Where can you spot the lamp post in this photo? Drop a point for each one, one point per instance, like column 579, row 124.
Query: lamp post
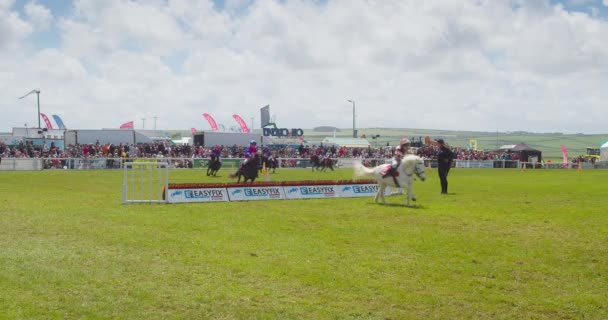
column 143, row 123
column 354, row 130
column 375, row 138
column 37, row 92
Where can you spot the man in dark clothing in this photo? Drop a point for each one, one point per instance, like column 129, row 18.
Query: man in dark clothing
column 444, row 163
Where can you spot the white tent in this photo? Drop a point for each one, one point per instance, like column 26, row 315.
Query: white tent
column 604, row 152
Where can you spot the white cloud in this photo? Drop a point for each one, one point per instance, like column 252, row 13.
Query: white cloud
column 40, row 16
column 605, row 2
column 12, row 28
column 452, row 64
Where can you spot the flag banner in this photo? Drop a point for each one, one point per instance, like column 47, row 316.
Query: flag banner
column 211, row 121
column 127, row 125
column 565, row 155
column 58, row 121
column 264, row 116
column 241, row 123
column 193, row 130
column 48, row 123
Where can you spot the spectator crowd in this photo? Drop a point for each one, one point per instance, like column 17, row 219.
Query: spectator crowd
column 165, row 149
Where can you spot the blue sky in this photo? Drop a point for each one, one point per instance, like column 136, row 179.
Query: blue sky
column 482, row 65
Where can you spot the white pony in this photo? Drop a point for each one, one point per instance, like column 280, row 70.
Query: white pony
column 410, row 165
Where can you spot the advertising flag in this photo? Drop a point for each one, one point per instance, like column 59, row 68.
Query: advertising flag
column 46, row 121
column 211, row 121
column 565, row 155
column 58, row 121
column 127, row 125
column 241, row 123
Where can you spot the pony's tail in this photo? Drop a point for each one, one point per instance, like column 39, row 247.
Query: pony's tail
column 361, row 170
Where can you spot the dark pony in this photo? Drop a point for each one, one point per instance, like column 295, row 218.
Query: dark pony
column 214, row 165
column 249, row 170
column 269, row 163
column 321, row 163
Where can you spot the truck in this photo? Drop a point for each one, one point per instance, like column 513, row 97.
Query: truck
column 593, row 154
column 212, row 138
column 115, row 136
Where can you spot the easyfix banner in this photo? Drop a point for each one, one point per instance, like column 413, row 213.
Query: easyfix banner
column 197, row 195
column 359, row 190
column 256, row 193
column 252, row 193
column 308, row 192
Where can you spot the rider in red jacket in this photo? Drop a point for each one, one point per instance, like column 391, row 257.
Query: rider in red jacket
column 251, row 150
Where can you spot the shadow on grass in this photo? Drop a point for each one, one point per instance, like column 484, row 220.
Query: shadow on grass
column 414, row 206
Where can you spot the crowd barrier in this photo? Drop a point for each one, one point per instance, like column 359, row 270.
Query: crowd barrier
column 12, row 164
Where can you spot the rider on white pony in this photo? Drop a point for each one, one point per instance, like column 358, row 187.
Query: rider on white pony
column 411, row 167
column 390, row 171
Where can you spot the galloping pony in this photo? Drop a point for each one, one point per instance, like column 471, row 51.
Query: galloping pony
column 214, row 165
column 410, row 167
column 269, row 162
column 323, row 163
column 248, row 170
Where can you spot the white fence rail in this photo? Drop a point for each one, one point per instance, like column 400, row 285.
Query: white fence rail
column 12, row 164
column 145, row 182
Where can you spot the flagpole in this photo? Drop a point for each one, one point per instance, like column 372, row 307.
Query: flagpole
column 38, row 99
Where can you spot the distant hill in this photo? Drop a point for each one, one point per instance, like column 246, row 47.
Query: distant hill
column 548, row 143
column 326, row 129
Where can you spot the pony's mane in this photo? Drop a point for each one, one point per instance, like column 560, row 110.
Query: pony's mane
column 410, row 161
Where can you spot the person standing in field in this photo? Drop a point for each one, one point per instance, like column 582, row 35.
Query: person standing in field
column 444, row 163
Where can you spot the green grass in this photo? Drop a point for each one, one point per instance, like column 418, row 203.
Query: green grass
column 505, row 244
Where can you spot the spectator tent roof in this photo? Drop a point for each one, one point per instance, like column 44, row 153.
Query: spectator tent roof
column 348, row 142
column 604, row 152
column 525, row 151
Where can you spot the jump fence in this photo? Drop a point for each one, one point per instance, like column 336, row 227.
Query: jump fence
column 145, row 182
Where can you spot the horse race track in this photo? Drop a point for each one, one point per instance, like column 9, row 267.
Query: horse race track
column 505, row 244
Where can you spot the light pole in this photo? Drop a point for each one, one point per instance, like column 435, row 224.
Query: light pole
column 143, row 123
column 354, row 130
column 375, row 138
column 37, row 92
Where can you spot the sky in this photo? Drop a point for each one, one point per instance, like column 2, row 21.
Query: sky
column 475, row 65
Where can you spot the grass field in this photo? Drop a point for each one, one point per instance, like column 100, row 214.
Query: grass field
column 505, row 244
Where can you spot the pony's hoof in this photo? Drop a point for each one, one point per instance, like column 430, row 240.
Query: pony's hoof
column 413, row 199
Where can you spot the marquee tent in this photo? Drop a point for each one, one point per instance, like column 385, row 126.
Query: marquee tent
column 347, row 142
column 604, row 152
column 525, row 152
